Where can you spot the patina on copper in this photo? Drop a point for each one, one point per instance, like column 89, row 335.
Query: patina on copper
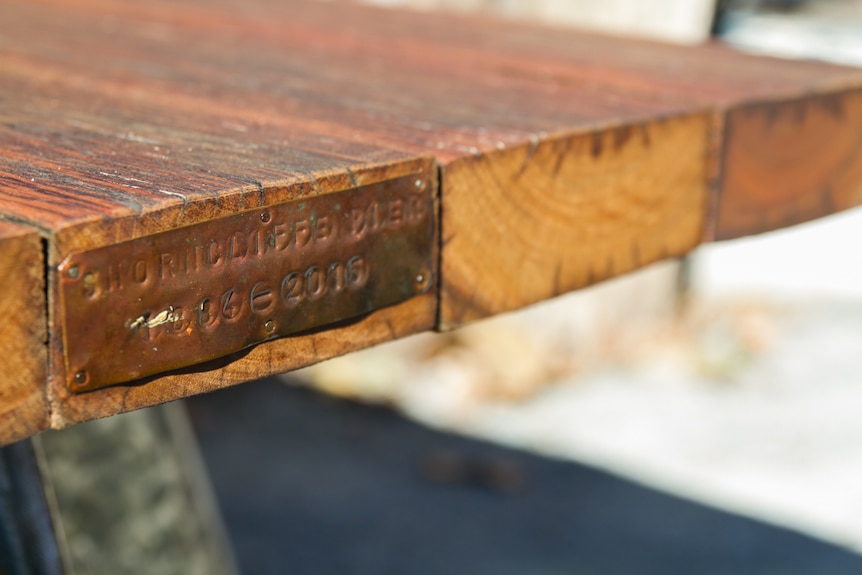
column 190, row 295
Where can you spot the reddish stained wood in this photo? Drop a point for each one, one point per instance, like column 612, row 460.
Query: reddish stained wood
column 124, row 119
column 98, row 149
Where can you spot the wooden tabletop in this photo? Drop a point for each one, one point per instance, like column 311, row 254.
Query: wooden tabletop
column 487, row 165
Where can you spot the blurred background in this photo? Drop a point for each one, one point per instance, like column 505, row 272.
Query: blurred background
column 702, row 415
column 732, row 378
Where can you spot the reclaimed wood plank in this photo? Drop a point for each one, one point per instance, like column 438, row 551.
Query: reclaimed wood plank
column 564, row 158
column 569, row 212
column 103, row 148
column 23, row 357
column 519, row 89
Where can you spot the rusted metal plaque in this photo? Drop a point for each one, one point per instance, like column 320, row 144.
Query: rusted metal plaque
column 186, row 296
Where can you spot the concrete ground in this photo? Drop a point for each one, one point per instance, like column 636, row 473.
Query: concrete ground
column 312, row 484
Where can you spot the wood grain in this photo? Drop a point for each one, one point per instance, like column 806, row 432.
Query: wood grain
column 790, row 162
column 525, row 225
column 100, row 149
column 23, row 352
column 565, row 158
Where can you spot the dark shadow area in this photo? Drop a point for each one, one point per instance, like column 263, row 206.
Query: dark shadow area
column 310, row 484
column 27, row 542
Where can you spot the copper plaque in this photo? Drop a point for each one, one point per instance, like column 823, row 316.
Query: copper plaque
column 190, row 295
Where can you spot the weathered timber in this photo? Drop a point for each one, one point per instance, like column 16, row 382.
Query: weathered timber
column 23, row 357
column 94, row 156
column 790, row 161
column 563, row 158
column 568, row 212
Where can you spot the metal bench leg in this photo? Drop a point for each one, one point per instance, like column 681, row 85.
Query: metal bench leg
column 131, row 496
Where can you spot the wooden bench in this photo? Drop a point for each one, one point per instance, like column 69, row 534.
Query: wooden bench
column 197, row 194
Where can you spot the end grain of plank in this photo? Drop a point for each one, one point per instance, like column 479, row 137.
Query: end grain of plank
column 789, row 162
column 530, row 223
column 23, row 352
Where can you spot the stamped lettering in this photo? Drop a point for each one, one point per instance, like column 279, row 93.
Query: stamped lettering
column 190, row 295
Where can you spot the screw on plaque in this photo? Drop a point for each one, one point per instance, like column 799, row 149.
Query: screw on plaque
column 422, row 281
column 80, row 378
